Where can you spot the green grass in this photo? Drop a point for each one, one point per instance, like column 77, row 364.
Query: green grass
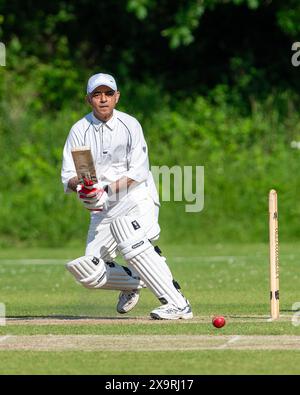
column 231, row 280
column 131, row 363
column 178, row 328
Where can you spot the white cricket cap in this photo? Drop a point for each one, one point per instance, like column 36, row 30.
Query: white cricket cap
column 101, row 79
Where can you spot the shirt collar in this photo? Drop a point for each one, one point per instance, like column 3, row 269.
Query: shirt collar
column 110, row 123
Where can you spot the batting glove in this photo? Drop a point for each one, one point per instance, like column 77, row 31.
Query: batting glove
column 92, row 196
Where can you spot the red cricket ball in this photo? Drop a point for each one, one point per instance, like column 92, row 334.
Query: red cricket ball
column 218, row 321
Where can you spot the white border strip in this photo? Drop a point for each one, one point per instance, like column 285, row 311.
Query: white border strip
column 206, row 258
column 231, row 341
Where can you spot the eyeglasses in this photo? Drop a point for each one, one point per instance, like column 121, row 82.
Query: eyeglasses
column 107, row 93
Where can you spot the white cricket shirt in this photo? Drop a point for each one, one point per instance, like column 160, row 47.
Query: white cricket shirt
column 119, row 149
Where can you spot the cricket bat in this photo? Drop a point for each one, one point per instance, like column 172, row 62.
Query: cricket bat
column 84, row 165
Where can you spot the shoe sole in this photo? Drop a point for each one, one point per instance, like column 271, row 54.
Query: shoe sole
column 187, row 316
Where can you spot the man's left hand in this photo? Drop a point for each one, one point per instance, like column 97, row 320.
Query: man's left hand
column 93, row 197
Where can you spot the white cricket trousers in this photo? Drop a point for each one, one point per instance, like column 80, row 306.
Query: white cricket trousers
column 100, row 241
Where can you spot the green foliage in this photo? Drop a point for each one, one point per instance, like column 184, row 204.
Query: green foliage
column 140, row 7
column 245, row 153
column 288, row 17
column 201, row 39
column 204, row 79
column 186, row 21
column 186, row 17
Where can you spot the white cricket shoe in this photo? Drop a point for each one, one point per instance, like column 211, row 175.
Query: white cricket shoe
column 171, row 312
column 127, row 300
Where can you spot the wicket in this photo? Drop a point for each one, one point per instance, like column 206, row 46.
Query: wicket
column 274, row 254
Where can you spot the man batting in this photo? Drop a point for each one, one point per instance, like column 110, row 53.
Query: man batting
column 123, row 206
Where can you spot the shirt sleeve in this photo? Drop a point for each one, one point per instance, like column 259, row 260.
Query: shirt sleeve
column 138, row 161
column 68, row 170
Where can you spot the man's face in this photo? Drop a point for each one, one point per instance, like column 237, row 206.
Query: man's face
column 103, row 100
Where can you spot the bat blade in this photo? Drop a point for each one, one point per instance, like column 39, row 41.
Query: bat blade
column 84, row 164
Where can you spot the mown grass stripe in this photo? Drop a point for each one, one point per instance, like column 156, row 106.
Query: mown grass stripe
column 148, row 342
